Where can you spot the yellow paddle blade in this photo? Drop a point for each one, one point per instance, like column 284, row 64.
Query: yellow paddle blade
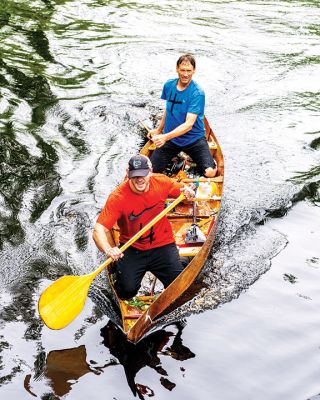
column 63, row 300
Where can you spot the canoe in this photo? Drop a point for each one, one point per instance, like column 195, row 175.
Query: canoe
column 194, row 225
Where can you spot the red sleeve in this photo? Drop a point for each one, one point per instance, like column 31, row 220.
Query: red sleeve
column 110, row 212
column 175, row 189
column 172, row 186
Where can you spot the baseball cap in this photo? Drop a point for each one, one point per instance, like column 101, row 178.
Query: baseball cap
column 139, row 166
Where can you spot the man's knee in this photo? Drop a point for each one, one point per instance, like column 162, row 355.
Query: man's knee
column 125, row 291
column 172, row 273
column 161, row 157
column 210, row 172
column 126, row 286
column 157, row 165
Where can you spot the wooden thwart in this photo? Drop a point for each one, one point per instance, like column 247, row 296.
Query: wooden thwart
column 189, row 251
column 213, row 197
column 132, row 316
column 203, row 179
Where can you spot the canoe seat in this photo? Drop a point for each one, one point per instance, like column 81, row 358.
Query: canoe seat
column 189, row 251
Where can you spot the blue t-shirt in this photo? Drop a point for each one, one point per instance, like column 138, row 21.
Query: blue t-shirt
column 178, row 104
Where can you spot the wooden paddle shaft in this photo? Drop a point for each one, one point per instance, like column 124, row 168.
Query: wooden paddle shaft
column 146, row 128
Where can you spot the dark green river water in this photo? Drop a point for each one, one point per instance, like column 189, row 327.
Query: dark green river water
column 75, row 80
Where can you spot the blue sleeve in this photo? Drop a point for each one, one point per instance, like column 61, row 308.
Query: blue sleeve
column 167, row 87
column 197, row 103
column 163, row 94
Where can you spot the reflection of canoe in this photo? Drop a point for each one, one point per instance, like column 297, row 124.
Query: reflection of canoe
column 141, row 314
column 136, row 356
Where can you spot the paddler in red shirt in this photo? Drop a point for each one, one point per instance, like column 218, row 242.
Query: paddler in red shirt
column 134, row 203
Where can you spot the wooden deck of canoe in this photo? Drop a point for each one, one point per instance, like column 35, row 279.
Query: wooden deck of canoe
column 140, row 314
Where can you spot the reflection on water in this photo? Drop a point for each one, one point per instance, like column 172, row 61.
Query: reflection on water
column 134, row 357
column 63, row 368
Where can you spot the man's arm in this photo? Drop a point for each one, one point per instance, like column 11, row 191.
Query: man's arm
column 160, row 140
column 100, row 236
column 159, row 130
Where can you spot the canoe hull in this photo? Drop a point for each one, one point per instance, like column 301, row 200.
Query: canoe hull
column 136, row 321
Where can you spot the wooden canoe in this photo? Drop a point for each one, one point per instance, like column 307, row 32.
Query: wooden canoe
column 140, row 314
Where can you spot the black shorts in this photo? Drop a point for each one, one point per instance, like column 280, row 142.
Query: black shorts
column 163, row 262
column 199, row 152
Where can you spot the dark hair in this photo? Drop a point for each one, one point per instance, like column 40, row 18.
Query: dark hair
column 187, row 57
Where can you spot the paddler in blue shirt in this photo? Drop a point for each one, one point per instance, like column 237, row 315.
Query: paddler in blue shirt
column 181, row 127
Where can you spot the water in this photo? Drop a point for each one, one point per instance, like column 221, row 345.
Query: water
column 76, row 78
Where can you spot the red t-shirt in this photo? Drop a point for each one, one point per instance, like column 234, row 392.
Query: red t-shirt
column 132, row 211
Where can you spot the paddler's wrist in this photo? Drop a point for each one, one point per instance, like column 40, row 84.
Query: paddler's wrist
column 107, row 251
column 157, row 131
